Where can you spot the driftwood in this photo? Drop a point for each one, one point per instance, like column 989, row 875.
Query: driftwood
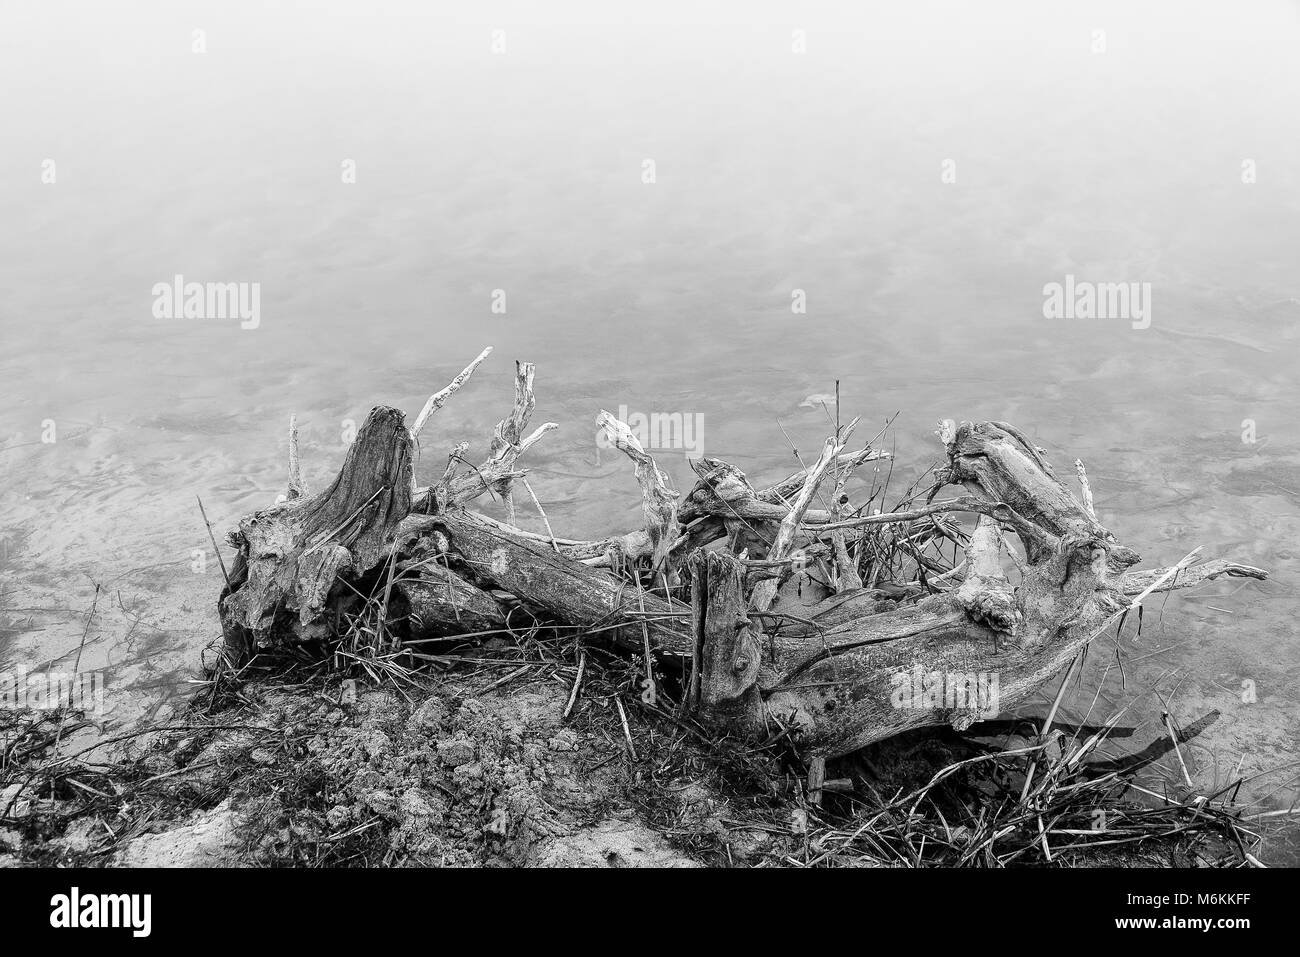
column 291, row 555
column 903, row 637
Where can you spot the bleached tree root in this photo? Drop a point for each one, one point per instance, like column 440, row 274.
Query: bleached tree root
column 960, row 657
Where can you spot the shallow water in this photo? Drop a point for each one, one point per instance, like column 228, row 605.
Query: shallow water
column 774, row 172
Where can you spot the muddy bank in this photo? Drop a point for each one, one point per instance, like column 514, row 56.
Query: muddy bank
column 443, row 772
column 478, row 766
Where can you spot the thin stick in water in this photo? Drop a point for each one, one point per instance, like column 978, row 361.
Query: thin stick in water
column 215, row 548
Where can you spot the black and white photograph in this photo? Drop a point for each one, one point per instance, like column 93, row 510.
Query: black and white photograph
column 512, row 437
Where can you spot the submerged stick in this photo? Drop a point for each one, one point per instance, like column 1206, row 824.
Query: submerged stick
column 221, row 561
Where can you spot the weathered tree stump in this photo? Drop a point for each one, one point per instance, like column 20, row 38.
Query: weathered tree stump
column 951, row 643
column 291, row 556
